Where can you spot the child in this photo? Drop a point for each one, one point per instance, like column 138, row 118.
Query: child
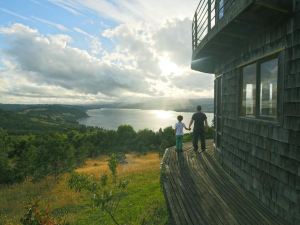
column 179, row 133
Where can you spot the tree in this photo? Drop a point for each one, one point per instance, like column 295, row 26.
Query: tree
column 54, row 155
column 5, row 168
column 146, row 140
column 126, row 136
column 167, row 138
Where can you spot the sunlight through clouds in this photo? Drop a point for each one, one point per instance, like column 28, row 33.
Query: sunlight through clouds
column 168, row 67
column 143, row 50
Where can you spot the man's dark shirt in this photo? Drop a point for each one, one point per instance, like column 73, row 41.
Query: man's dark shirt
column 199, row 118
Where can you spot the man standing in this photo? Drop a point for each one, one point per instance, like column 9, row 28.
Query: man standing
column 199, row 118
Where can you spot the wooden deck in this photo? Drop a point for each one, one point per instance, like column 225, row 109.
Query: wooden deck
column 198, row 191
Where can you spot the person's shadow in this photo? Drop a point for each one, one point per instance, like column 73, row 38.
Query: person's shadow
column 186, row 171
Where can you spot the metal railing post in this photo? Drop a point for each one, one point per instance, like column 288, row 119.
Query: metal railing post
column 208, row 15
column 193, row 35
column 196, row 29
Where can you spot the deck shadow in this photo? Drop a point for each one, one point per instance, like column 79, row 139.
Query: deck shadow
column 198, row 191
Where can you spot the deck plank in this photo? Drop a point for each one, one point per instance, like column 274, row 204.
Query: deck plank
column 198, row 191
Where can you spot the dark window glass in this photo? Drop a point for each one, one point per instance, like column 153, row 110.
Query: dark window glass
column 249, row 90
column 268, row 88
column 221, row 9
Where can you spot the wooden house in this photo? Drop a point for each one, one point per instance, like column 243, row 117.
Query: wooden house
column 253, row 48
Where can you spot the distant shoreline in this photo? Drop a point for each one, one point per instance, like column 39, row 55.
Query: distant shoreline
column 175, row 110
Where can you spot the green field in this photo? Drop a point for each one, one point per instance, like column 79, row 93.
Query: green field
column 143, row 202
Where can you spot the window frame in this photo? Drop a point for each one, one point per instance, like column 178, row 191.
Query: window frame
column 280, row 70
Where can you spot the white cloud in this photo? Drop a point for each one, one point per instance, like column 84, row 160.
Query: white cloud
column 147, row 60
column 174, row 39
column 49, row 60
column 35, row 2
column 129, row 11
column 50, row 23
column 95, row 44
column 78, row 30
column 65, row 5
column 14, row 14
column 164, row 52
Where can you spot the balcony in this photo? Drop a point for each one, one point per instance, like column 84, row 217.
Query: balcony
column 222, row 28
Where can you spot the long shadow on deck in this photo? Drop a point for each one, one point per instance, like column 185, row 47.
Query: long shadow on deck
column 198, row 191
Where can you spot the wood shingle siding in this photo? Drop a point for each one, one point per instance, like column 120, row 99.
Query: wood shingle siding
column 263, row 156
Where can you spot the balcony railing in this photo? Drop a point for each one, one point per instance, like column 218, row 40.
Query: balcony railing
column 207, row 15
column 224, row 28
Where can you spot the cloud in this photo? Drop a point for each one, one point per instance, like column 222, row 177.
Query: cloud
column 83, row 32
column 95, row 44
column 165, row 53
column 14, row 14
column 146, row 61
column 50, row 23
column 50, row 60
column 174, row 39
column 67, row 5
column 35, row 2
column 130, row 11
column 134, row 48
column 16, row 87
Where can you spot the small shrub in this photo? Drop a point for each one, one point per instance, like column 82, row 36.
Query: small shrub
column 113, row 164
column 104, row 196
column 37, row 216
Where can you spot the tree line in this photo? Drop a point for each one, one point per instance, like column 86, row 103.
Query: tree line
column 39, row 155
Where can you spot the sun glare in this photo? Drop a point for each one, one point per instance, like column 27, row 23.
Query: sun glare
column 161, row 114
column 168, row 67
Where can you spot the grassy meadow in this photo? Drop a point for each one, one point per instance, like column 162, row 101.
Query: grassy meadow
column 143, row 203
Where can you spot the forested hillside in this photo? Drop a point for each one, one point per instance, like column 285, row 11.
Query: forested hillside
column 39, row 118
column 46, row 140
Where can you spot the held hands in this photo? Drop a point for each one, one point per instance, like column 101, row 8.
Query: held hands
column 187, row 128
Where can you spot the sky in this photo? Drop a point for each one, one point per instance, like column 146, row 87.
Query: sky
column 97, row 51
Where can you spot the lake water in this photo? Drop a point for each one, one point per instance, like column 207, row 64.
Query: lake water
column 138, row 118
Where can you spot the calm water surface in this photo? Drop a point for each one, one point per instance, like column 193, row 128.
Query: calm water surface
column 138, row 118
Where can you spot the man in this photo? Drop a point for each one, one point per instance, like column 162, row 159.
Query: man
column 199, row 118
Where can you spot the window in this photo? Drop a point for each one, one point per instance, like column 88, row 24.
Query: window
column 249, row 90
column 221, row 9
column 268, row 88
column 261, row 101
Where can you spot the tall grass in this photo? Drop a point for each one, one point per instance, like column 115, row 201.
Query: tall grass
column 144, row 202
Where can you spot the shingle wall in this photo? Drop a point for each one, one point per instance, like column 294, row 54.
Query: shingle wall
column 264, row 156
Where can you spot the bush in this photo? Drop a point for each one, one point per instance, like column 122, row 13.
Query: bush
column 37, row 216
column 104, row 196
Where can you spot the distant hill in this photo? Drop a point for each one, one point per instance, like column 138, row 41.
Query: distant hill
column 39, row 118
